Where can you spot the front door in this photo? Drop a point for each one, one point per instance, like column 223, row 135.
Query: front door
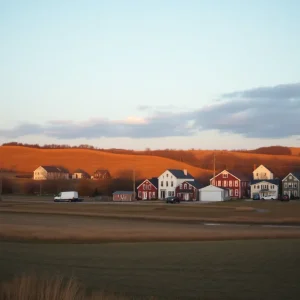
column 162, row 194
column 186, row 197
column 144, row 195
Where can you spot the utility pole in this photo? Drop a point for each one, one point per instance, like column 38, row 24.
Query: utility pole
column 214, row 168
column 133, row 179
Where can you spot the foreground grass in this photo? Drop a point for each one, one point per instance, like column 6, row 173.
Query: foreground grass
column 232, row 270
column 34, row 287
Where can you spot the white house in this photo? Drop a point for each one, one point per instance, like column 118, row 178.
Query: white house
column 213, row 193
column 80, row 174
column 169, row 180
column 266, row 189
column 262, row 173
column 50, row 172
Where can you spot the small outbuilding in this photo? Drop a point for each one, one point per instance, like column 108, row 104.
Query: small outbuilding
column 213, row 193
column 123, row 196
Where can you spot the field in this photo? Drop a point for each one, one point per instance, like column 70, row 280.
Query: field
column 197, row 270
column 25, row 159
column 154, row 249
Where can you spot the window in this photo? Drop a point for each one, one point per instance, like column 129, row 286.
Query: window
column 225, row 183
column 225, row 175
column 172, row 183
column 140, row 194
column 230, row 182
column 290, row 185
column 257, row 186
column 153, row 194
column 185, row 186
column 172, row 193
column 236, row 192
column 295, row 185
column 149, row 186
column 285, row 185
column 169, row 193
column 230, row 192
column 219, row 183
column 161, row 183
column 144, row 186
column 236, row 183
column 167, row 175
column 167, row 183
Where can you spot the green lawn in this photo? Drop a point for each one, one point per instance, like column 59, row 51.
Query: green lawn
column 239, row 270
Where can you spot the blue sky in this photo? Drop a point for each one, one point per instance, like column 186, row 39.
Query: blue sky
column 157, row 74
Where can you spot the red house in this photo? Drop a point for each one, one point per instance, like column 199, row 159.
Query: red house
column 148, row 189
column 188, row 190
column 237, row 184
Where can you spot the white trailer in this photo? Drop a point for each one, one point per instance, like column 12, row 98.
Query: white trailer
column 68, row 196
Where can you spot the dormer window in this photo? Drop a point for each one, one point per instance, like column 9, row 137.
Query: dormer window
column 225, row 175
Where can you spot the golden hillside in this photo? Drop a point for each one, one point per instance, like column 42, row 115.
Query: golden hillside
column 23, row 159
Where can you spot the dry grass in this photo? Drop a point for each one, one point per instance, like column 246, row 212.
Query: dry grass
column 78, row 229
column 33, row 287
column 28, row 159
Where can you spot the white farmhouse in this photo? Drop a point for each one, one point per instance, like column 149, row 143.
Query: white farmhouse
column 266, row 189
column 169, row 180
column 50, row 172
column 262, row 173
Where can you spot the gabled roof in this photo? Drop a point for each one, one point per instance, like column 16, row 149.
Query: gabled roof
column 265, row 167
column 101, row 171
column 82, row 171
column 209, row 187
column 194, row 183
column 55, row 169
column 153, row 181
column 238, row 175
column 273, row 181
column 295, row 174
column 180, row 174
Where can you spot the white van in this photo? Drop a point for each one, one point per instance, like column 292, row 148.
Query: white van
column 69, row 196
column 268, row 197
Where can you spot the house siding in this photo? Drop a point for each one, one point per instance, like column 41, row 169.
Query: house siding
column 237, row 188
column 291, row 186
column 147, row 191
column 187, row 192
column 262, row 172
column 167, row 184
column 264, row 189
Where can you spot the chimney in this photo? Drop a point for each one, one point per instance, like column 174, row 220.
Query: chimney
column 254, row 167
column 185, row 172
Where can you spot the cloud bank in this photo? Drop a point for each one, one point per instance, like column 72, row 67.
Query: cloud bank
column 263, row 112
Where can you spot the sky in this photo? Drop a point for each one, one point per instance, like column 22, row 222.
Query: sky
column 150, row 74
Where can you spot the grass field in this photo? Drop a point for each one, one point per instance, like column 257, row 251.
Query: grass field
column 28, row 159
column 196, row 270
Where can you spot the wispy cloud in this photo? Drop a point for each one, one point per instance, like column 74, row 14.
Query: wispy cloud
column 265, row 112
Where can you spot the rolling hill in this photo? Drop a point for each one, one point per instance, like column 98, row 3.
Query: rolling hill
column 24, row 159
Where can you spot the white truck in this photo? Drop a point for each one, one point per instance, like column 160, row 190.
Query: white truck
column 68, row 196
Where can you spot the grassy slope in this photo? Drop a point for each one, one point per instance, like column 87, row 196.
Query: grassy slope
column 27, row 159
column 204, row 270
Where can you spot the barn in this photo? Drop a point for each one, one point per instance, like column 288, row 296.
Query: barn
column 123, row 196
column 213, row 193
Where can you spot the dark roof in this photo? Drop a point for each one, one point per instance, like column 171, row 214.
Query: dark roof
column 273, row 181
column 180, row 174
column 54, row 169
column 195, row 184
column 154, row 181
column 296, row 174
column 240, row 175
column 102, row 170
column 123, row 192
column 81, row 171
